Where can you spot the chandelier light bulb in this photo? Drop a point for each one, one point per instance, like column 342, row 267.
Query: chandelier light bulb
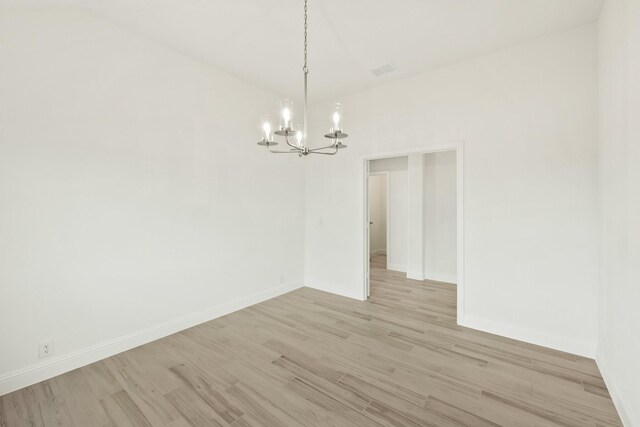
column 286, row 116
column 299, row 138
column 267, row 130
column 336, row 119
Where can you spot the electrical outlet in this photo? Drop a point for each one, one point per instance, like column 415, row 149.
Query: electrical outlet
column 282, row 278
column 46, row 349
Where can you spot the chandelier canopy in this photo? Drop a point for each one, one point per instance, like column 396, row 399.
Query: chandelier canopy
column 298, row 132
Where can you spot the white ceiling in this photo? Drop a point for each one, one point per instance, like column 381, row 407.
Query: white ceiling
column 261, row 40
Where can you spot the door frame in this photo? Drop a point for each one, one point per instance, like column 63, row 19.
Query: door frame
column 386, row 249
column 458, row 147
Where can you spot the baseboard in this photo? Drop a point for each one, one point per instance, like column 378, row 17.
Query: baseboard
column 445, row 278
column 556, row 343
column 65, row 363
column 397, row 267
column 415, row 275
column 625, row 410
column 335, row 289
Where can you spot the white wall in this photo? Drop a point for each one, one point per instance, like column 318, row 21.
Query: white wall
column 378, row 214
column 527, row 116
column 440, row 218
column 619, row 71
column 133, row 197
column 398, row 213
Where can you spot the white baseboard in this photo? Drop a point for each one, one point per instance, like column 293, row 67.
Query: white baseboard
column 437, row 277
column 44, row 370
column 415, row 275
column 355, row 293
column 625, row 410
column 397, row 267
column 508, row 331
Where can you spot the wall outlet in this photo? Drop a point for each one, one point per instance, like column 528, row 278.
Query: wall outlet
column 46, row 349
column 282, row 278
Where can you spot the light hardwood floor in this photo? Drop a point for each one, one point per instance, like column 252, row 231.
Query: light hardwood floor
column 312, row 358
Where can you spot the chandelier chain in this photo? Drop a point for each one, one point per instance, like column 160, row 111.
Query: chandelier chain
column 305, row 68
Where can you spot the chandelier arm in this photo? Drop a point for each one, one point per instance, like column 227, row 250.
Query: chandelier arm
column 323, row 153
column 294, row 150
column 295, row 147
column 285, row 152
column 326, row 147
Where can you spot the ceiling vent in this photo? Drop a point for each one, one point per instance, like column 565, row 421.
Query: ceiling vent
column 385, row 69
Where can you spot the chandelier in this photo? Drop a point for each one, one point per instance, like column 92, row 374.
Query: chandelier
column 298, row 132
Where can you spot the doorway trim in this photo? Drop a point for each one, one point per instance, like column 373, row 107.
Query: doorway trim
column 458, row 147
column 387, row 175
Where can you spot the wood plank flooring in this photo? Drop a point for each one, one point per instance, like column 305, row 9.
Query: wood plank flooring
column 310, row 358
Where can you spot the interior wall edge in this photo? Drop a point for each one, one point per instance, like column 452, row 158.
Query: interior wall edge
column 38, row 372
column 397, row 267
column 528, row 336
column 334, row 288
column 624, row 408
column 444, row 278
column 415, row 275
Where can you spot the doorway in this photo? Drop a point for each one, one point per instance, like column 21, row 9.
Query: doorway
column 416, row 200
column 378, row 216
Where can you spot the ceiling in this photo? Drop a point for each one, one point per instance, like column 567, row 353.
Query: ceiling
column 260, row 41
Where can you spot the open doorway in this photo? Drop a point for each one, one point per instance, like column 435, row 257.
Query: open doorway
column 413, row 221
column 378, row 217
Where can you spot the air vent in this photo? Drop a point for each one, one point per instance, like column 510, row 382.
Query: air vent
column 385, row 69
